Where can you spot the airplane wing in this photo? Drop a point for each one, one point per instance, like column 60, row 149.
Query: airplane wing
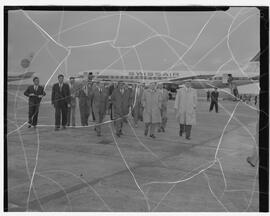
column 182, row 79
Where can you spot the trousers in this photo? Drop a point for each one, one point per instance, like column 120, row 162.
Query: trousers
column 33, row 114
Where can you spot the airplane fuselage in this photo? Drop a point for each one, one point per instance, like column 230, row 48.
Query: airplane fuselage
column 205, row 84
column 200, row 80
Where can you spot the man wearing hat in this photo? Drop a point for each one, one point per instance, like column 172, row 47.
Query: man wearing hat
column 185, row 106
column 34, row 93
column 121, row 103
column 85, row 95
column 100, row 105
column 151, row 102
column 137, row 109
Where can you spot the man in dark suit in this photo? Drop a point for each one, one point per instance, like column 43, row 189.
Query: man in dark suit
column 85, row 95
column 61, row 101
column 34, row 93
column 90, row 82
column 121, row 101
column 214, row 100
column 100, row 105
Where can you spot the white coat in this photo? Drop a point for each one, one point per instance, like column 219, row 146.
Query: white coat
column 185, row 105
column 151, row 101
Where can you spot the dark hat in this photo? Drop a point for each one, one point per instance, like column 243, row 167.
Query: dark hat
column 60, row 75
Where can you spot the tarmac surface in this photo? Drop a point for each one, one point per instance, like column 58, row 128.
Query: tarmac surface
column 74, row 170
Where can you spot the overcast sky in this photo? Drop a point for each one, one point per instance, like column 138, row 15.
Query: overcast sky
column 148, row 40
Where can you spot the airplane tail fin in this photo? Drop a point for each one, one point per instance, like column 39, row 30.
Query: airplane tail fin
column 26, row 75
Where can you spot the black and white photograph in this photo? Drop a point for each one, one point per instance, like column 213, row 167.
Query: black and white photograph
column 136, row 108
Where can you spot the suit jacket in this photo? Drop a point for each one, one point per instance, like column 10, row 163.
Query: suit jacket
column 121, row 102
column 34, row 99
column 164, row 97
column 100, row 100
column 214, row 96
column 151, row 101
column 137, row 96
column 83, row 97
column 60, row 96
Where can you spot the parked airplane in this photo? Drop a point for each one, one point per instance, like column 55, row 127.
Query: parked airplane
column 199, row 80
column 16, row 76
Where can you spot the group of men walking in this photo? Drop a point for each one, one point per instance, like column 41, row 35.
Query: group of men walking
column 144, row 103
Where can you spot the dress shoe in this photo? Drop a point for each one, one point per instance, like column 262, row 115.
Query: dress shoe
column 56, row 129
column 63, row 127
column 153, row 136
column 118, row 134
column 159, row 130
column 29, row 126
column 145, row 132
column 188, row 138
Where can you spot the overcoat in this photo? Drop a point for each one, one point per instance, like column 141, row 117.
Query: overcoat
column 185, row 105
column 151, row 101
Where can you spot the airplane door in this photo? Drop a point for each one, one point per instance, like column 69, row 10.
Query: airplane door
column 225, row 78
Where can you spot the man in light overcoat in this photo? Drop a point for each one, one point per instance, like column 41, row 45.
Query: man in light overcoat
column 185, row 107
column 151, row 101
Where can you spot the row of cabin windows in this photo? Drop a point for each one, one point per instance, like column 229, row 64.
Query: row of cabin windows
column 131, row 77
column 156, row 78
